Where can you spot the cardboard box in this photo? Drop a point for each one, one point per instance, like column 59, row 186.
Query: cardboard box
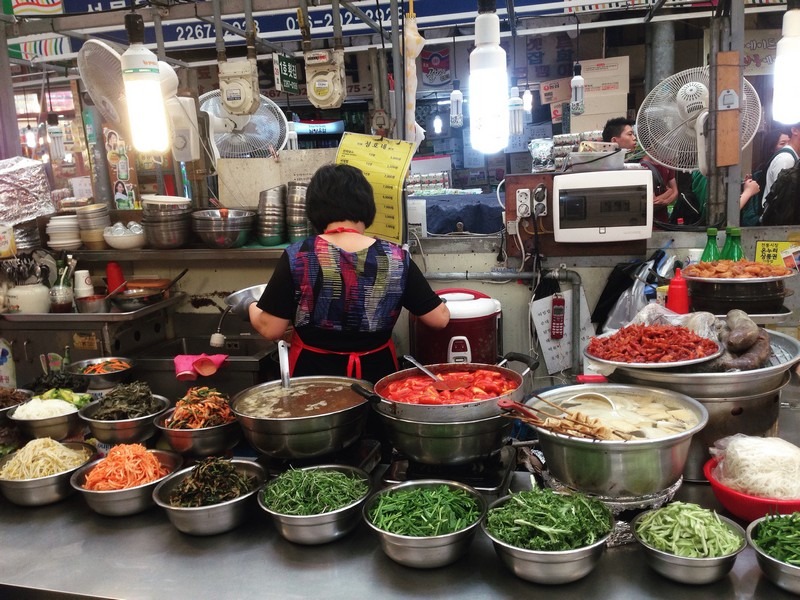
column 606, row 76
column 602, row 104
column 590, row 122
column 555, row 90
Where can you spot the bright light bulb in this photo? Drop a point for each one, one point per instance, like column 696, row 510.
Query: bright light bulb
column 515, row 112
column 576, row 106
column 437, row 124
column 30, row 138
column 785, row 107
column 527, row 101
column 456, row 105
column 488, row 82
column 291, row 136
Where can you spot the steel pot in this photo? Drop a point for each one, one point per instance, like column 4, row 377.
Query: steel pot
column 450, row 413
column 624, row 469
column 447, row 443
column 303, row 437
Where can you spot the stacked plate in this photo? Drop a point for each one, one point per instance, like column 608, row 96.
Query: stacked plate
column 166, row 220
column 92, row 220
column 296, row 220
column 63, row 233
column 272, row 216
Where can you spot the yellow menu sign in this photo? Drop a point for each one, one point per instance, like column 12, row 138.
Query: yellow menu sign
column 770, row 252
column 384, row 163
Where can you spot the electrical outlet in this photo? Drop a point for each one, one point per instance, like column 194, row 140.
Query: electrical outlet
column 540, row 201
column 523, row 203
column 511, row 227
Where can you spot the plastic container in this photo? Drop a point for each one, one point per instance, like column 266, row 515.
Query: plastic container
column 582, row 162
column 711, row 251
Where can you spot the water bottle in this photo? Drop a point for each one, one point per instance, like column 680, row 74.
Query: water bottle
column 711, row 251
column 733, row 250
column 727, row 245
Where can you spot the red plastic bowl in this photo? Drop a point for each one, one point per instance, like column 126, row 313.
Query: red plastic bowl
column 745, row 506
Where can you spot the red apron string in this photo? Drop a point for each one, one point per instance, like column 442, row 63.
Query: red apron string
column 353, row 360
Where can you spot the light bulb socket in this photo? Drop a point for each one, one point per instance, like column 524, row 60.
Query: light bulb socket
column 487, row 6
column 134, row 26
column 52, row 118
column 576, row 68
column 456, row 84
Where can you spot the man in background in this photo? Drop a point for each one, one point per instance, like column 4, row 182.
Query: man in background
column 783, row 159
column 665, row 188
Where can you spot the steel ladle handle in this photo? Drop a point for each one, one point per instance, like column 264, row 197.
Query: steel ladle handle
column 283, row 362
column 421, row 367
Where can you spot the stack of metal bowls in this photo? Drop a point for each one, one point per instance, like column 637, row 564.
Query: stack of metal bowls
column 166, row 221
column 272, row 216
column 296, row 219
column 223, row 228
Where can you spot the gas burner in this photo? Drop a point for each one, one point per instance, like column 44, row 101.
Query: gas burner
column 490, row 476
column 364, row 454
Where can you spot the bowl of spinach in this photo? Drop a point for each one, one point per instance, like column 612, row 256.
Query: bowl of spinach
column 547, row 537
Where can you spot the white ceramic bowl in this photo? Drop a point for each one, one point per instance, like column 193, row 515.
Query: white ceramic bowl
column 129, row 241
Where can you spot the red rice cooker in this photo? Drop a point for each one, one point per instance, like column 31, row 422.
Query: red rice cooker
column 472, row 336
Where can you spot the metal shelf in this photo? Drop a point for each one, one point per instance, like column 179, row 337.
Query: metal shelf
column 54, row 318
column 181, row 254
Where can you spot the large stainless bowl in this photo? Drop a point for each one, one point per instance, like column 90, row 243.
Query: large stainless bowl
column 624, row 469
column 782, row 574
column 122, row 431
column 446, row 443
column 214, row 518
column 19, row 393
column 427, row 552
column 697, row 571
column 253, row 292
column 57, row 428
column 128, row 501
column 42, row 490
column 542, row 566
column 303, row 437
column 205, row 441
column 325, row 527
column 104, row 380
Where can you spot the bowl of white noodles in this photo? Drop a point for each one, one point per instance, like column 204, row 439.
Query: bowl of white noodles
column 39, row 472
column 52, row 418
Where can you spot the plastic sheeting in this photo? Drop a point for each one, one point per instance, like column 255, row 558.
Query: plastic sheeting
column 24, row 196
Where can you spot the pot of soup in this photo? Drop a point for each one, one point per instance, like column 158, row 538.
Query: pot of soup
column 466, row 392
column 310, row 417
column 647, row 448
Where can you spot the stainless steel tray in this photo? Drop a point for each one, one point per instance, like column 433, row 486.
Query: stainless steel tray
column 661, row 365
column 173, row 300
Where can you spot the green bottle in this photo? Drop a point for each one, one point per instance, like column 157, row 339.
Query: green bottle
column 733, row 250
column 727, row 245
column 711, row 251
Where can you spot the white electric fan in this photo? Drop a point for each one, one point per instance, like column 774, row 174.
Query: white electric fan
column 670, row 123
column 100, row 70
column 257, row 135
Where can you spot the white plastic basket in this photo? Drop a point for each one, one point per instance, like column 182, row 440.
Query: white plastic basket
column 581, row 162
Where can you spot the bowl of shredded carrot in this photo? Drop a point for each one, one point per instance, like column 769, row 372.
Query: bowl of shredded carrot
column 104, row 372
column 201, row 424
column 122, row 482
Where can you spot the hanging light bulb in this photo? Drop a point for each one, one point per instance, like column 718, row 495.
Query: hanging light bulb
column 291, row 136
column 148, row 117
column 515, row 112
column 437, row 124
column 56, row 137
column 527, row 101
column 30, row 138
column 456, row 105
column 577, row 84
column 488, row 82
column 785, row 107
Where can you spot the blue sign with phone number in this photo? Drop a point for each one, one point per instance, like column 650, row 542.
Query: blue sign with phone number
column 282, row 25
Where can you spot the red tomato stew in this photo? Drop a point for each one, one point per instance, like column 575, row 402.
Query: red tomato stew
column 481, row 385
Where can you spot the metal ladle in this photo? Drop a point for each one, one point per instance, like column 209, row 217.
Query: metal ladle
column 283, row 363
column 438, row 383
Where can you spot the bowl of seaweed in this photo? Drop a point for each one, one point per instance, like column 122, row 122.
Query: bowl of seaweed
column 59, row 380
column 125, row 415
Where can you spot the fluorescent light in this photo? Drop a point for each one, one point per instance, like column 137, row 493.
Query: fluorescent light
column 527, row 101
column 577, row 84
column 515, row 112
column 488, row 84
column 146, row 112
column 456, row 105
column 437, row 124
column 785, row 105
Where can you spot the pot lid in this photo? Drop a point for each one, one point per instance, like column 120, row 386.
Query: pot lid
column 466, row 306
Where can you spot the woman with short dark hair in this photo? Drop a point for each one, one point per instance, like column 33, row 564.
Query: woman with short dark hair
column 342, row 290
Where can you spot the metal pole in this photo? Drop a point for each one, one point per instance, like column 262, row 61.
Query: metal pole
column 715, row 206
column 736, row 43
column 9, row 135
column 398, row 74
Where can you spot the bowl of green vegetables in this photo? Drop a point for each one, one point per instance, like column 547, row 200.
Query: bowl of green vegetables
column 547, row 537
column 775, row 541
column 125, row 414
column 316, row 505
column 688, row 543
column 211, row 497
column 427, row 523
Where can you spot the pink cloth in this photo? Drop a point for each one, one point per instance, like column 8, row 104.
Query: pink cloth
column 189, row 366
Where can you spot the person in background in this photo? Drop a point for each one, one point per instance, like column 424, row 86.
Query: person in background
column 785, row 158
column 665, row 188
column 342, row 290
column 773, row 141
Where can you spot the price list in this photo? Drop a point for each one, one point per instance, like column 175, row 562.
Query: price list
column 384, row 163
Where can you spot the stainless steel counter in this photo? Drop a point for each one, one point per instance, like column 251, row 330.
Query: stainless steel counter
column 67, row 548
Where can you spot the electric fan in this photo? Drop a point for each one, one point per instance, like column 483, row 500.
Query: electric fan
column 258, row 135
column 670, row 123
column 100, row 70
